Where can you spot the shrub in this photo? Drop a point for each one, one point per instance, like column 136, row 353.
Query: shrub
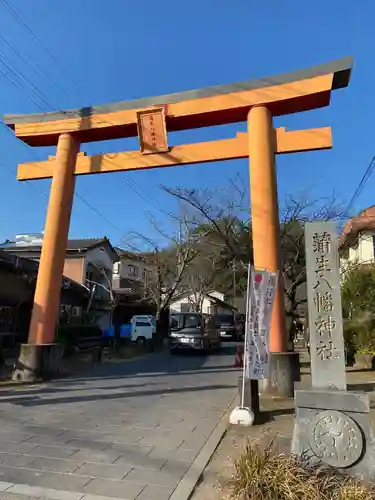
column 358, row 305
column 269, row 475
column 69, row 334
column 359, row 333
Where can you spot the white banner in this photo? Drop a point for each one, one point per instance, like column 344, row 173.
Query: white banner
column 261, row 293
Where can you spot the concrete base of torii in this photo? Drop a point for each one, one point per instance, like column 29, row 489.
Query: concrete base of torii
column 284, row 372
column 38, row 362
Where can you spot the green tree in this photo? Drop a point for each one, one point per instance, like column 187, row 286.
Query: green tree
column 358, row 307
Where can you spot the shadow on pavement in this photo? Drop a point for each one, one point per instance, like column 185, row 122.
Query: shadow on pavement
column 36, row 401
column 161, row 364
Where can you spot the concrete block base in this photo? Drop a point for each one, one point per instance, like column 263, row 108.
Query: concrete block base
column 38, row 362
column 284, row 371
column 333, row 428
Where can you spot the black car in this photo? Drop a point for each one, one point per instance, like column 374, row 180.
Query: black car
column 227, row 326
column 193, row 331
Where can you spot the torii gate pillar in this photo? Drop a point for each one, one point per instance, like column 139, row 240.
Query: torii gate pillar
column 265, row 212
column 265, row 240
column 39, row 358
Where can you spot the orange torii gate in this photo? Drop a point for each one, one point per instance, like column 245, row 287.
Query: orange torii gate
column 254, row 101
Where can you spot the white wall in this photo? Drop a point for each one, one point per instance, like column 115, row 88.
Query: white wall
column 133, row 269
column 176, row 305
column 100, row 257
column 217, row 295
column 207, row 305
column 362, row 250
column 366, row 247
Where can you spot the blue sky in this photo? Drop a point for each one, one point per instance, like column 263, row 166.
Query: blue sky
column 122, row 49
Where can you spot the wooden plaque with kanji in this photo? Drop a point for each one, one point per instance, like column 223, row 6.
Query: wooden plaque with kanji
column 152, row 131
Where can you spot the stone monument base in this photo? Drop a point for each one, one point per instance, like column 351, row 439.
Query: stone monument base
column 333, row 428
column 38, row 362
column 284, row 371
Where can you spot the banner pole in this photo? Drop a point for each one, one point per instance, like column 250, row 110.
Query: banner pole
column 244, row 368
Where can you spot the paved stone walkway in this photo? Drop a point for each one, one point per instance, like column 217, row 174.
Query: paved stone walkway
column 127, row 431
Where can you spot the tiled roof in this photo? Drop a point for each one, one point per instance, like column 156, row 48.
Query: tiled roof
column 30, row 268
column 80, row 244
column 129, row 255
column 364, row 221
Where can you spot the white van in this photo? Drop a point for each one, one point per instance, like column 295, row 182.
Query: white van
column 142, row 328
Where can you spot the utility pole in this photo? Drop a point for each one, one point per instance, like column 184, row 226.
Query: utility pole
column 234, row 281
column 179, row 243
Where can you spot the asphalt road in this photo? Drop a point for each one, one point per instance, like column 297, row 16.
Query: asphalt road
column 127, row 430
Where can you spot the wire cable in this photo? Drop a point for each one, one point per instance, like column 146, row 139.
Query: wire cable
column 361, row 185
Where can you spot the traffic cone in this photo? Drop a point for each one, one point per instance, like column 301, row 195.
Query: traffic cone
column 238, row 361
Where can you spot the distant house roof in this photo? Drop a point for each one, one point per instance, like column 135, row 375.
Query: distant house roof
column 364, row 221
column 74, row 245
column 221, row 303
column 129, row 255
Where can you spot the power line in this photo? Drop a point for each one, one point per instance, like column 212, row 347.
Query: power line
column 18, row 18
column 142, row 193
column 361, row 185
column 78, row 195
column 27, row 59
column 21, row 79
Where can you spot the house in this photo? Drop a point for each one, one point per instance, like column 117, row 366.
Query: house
column 212, row 303
column 357, row 241
column 88, row 262
column 130, row 280
column 131, row 272
column 17, row 286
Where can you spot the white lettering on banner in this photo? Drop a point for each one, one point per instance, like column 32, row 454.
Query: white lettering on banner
column 261, row 295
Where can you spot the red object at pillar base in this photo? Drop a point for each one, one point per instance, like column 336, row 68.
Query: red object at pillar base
column 238, row 361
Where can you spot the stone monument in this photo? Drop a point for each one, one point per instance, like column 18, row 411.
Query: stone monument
column 332, row 425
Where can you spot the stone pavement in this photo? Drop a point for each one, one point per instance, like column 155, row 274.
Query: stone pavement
column 127, row 431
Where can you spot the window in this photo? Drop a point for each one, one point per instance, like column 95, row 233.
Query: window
column 133, row 271
column 224, row 319
column 186, row 307
column 142, row 323
column 90, row 276
column 192, row 321
column 180, row 321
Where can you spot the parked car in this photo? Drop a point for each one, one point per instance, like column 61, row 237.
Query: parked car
column 193, row 331
column 142, row 328
column 227, row 326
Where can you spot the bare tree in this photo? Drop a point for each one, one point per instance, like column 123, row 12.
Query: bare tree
column 218, row 215
column 227, row 227
column 107, row 286
column 201, row 273
column 167, row 257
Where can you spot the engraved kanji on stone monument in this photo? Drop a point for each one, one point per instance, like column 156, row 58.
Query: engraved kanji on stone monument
column 324, row 304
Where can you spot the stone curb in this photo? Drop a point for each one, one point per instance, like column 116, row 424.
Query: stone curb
column 187, row 485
